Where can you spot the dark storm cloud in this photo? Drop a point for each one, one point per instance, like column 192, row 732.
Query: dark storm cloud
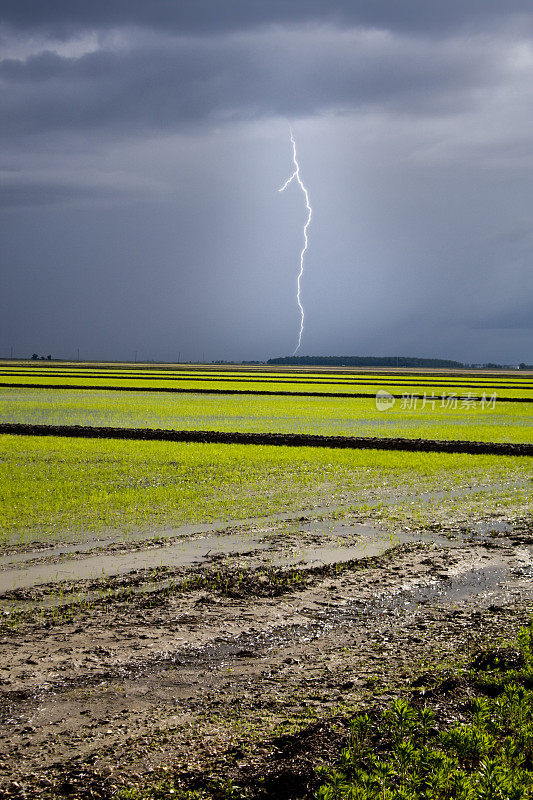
column 517, row 318
column 143, row 142
column 62, row 16
column 177, row 81
column 20, row 195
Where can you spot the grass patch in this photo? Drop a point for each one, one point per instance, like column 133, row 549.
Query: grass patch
column 412, row 753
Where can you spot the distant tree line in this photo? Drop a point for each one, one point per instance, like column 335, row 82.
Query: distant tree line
column 366, row 361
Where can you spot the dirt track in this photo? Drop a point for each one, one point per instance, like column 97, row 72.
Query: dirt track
column 276, row 439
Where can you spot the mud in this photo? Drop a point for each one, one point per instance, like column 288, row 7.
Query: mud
column 316, row 543
column 245, row 664
column 272, row 439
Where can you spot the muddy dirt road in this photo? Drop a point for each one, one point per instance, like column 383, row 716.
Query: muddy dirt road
column 224, row 664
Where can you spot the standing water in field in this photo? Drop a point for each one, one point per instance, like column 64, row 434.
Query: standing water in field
column 303, row 544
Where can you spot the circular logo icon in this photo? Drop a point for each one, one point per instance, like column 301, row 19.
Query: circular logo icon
column 384, row 400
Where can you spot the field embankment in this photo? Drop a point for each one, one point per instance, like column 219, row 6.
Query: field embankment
column 271, row 439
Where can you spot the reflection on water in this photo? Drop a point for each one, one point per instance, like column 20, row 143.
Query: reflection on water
column 342, row 542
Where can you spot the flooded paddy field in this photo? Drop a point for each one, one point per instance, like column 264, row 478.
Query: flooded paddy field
column 274, row 381
column 207, row 619
column 338, row 416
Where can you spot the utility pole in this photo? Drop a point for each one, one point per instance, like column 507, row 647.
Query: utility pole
column 136, row 356
column 78, row 353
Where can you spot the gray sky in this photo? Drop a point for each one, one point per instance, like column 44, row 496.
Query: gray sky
column 143, row 144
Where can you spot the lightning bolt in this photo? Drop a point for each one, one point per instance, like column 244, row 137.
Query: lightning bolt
column 296, row 176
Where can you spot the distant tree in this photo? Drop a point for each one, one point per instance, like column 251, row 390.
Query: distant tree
column 367, row 361
column 48, row 357
column 34, row 356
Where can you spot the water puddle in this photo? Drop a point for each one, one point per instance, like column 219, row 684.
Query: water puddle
column 486, row 585
column 341, row 546
column 282, row 541
column 483, row 584
column 114, row 539
column 178, row 554
column 495, row 525
column 328, row 543
column 27, row 552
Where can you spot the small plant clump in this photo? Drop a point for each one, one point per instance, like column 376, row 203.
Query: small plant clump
column 408, row 755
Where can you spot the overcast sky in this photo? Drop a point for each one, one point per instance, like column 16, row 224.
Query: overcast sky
column 144, row 143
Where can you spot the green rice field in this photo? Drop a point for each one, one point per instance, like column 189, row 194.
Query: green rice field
column 59, row 488
column 267, row 381
column 63, row 488
column 501, row 422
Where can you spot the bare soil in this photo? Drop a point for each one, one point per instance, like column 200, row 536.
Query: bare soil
column 236, row 667
column 275, row 439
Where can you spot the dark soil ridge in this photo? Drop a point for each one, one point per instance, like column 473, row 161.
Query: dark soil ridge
column 272, row 439
column 275, row 369
column 283, row 379
column 278, row 393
